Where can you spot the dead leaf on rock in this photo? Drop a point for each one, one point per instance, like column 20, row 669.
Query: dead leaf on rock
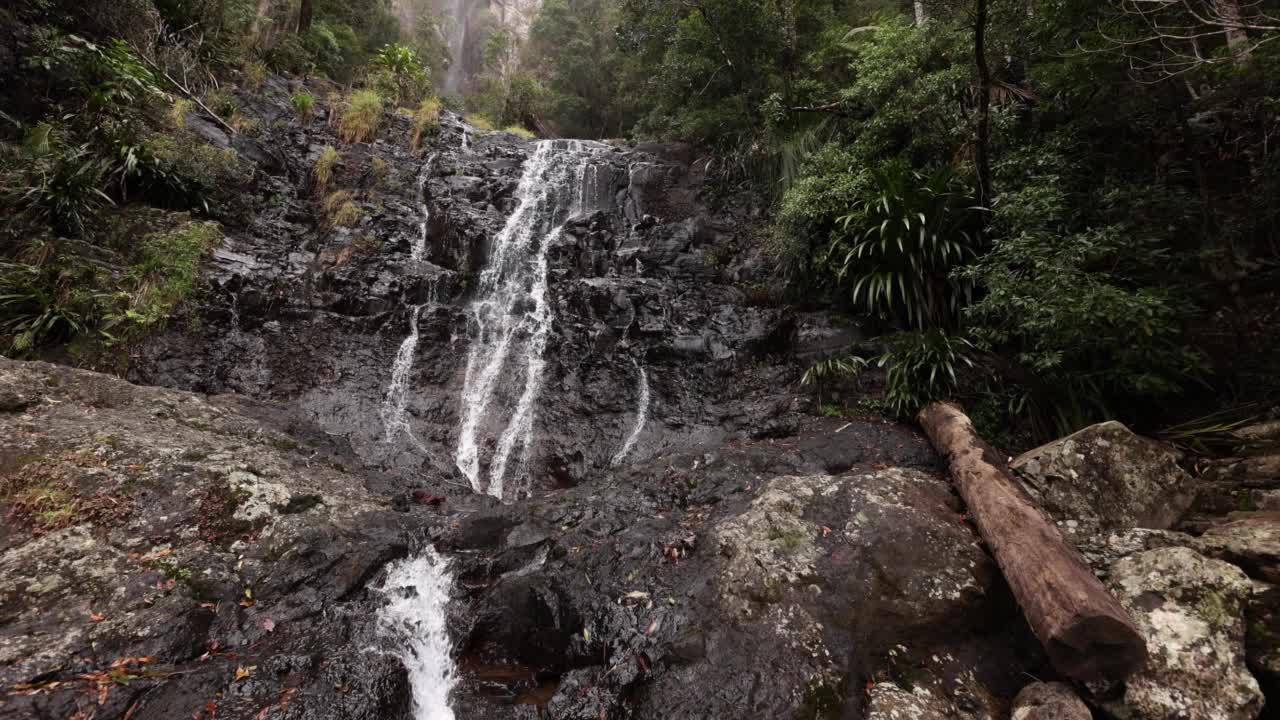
column 243, row 672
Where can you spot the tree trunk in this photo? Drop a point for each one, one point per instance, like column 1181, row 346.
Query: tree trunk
column 255, row 30
column 922, row 15
column 1086, row 632
column 1228, row 11
column 304, row 15
column 982, row 145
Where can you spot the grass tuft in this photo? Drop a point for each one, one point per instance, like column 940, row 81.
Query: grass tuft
column 479, row 122
column 426, row 119
column 362, row 117
column 323, row 170
column 341, row 210
column 304, row 105
column 521, row 131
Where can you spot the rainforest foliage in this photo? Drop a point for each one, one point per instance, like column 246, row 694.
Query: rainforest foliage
column 1056, row 210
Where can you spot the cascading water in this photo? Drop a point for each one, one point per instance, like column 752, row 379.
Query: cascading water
column 397, row 397
column 424, row 211
column 511, row 316
column 457, row 46
column 642, row 416
column 417, row 592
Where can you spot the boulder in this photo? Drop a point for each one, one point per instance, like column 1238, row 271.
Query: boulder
column 1252, row 544
column 928, row 567
column 1049, row 701
column 163, row 534
column 1106, row 478
column 1262, row 638
column 1191, row 610
column 1264, row 435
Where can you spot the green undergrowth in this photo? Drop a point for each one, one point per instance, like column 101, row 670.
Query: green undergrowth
column 102, row 296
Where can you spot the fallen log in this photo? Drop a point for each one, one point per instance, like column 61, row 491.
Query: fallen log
column 1084, row 629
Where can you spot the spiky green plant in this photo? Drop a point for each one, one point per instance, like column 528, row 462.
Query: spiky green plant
column 901, row 242
column 304, row 105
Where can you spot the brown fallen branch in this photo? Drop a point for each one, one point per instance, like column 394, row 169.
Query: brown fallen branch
column 183, row 89
column 1084, row 629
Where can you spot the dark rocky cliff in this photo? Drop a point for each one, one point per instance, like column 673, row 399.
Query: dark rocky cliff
column 212, row 540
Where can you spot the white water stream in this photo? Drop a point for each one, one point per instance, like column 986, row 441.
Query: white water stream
column 424, row 211
column 417, row 592
column 456, row 74
column 642, row 416
column 396, row 400
column 511, row 316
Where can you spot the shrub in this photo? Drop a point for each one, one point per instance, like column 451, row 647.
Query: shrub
column 379, row 168
column 163, row 275
column 48, row 302
column 902, row 240
column 323, row 170
column 522, row 132
column 222, row 102
column 409, row 78
column 361, row 118
column 52, row 182
column 923, row 366
column 341, row 211
column 244, row 124
column 254, row 73
column 178, row 113
column 479, row 122
column 1082, row 339
column 290, row 54
column 181, row 170
column 304, row 105
column 426, row 119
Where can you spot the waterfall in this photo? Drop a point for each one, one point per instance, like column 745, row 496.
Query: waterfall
column 457, row 46
column 642, row 416
column 417, row 592
column 424, row 210
column 511, row 316
column 397, row 397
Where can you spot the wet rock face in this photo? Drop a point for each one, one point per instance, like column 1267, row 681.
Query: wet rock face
column 161, row 534
column 1105, row 478
column 645, row 276
column 1191, row 609
column 771, row 579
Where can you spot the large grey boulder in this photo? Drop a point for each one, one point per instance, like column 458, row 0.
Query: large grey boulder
column 163, row 534
column 1191, row 609
column 929, row 566
column 1106, row 478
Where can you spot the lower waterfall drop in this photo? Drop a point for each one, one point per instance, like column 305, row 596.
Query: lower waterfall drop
column 511, row 316
column 642, row 416
column 417, row 592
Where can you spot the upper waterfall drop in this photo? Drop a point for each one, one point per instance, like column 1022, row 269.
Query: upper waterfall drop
column 511, row 316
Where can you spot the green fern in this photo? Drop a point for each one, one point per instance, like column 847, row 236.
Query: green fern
column 901, row 243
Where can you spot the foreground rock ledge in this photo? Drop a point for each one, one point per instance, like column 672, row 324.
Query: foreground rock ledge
column 184, row 540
